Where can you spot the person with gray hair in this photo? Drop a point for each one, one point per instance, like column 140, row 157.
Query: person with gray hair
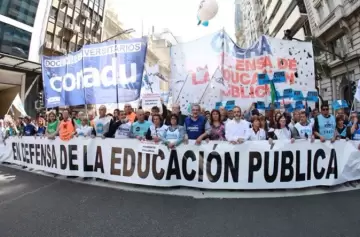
column 196, row 126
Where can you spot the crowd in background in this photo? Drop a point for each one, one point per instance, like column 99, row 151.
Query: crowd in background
column 173, row 128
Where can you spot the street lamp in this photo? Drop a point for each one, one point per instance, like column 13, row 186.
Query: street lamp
column 128, row 31
column 288, row 36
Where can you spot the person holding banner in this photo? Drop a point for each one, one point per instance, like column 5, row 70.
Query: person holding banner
column 140, row 127
column 237, row 130
column 217, row 131
column 156, row 129
column 52, row 125
column 29, row 128
column 177, row 112
column 324, row 126
column 84, row 129
column 102, row 123
column 122, row 131
column 66, row 128
column 303, row 128
column 196, row 126
column 174, row 134
column 282, row 130
column 256, row 132
column 342, row 131
column 41, row 129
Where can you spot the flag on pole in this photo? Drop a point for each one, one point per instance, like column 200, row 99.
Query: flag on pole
column 218, row 82
column 357, row 93
column 273, row 93
column 18, row 104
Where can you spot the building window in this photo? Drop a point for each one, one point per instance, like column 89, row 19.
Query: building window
column 23, row 11
column 331, row 5
column 339, row 47
column 61, row 17
column 53, row 12
column 72, row 47
column 321, row 11
column 14, row 41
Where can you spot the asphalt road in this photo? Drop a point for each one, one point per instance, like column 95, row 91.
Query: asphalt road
column 37, row 206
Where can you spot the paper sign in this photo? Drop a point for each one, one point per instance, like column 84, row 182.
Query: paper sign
column 150, row 100
column 263, row 79
column 228, row 105
column 298, row 95
column 289, row 108
column 218, row 105
column 148, row 147
column 312, row 96
column 276, row 105
column 288, row 93
column 339, row 104
column 279, row 77
column 299, row 105
column 260, row 105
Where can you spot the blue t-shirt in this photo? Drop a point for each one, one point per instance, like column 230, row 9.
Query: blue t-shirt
column 140, row 129
column 41, row 131
column 29, row 130
column 195, row 129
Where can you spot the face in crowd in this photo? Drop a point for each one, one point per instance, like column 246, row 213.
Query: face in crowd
column 127, row 109
column 303, row 118
column 156, row 120
column 65, row 114
column 176, row 109
column 296, row 116
column 325, row 110
column 195, row 110
column 74, row 114
column 315, row 112
column 140, row 115
column 230, row 114
column 339, row 122
column 155, row 111
column 52, row 117
column 173, row 120
column 122, row 115
column 237, row 113
column 282, row 121
column 102, row 111
column 84, row 121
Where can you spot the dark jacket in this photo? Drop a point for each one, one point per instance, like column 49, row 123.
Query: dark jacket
column 181, row 119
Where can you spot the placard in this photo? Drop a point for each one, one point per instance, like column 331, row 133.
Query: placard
column 312, row 96
column 263, row 79
column 150, row 100
column 279, row 77
column 298, row 95
column 148, row 147
column 288, row 93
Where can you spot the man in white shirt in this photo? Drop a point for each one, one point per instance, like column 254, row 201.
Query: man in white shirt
column 237, row 130
column 102, row 123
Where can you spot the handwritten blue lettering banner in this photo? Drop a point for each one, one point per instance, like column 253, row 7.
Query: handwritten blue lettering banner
column 288, row 93
column 298, row 95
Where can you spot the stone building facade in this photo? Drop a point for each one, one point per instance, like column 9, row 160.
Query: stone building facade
column 336, row 26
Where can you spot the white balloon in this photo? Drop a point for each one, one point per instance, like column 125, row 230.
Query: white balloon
column 207, row 10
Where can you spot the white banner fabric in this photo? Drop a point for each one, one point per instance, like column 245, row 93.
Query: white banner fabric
column 213, row 165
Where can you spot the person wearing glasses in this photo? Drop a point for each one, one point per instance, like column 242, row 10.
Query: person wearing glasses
column 156, row 129
column 325, row 125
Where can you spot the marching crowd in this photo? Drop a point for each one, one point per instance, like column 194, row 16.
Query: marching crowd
column 172, row 128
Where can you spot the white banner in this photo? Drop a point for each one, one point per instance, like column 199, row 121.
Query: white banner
column 214, row 165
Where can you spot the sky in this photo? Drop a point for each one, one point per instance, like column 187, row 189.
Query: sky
column 179, row 16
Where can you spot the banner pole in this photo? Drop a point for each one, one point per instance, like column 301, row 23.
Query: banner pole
column 182, row 88
column 212, row 77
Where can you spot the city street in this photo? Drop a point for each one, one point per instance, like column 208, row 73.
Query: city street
column 32, row 205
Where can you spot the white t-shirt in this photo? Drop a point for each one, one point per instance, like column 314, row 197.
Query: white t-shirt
column 257, row 136
column 102, row 125
column 84, row 130
column 283, row 134
column 123, row 131
column 302, row 130
column 157, row 132
column 235, row 130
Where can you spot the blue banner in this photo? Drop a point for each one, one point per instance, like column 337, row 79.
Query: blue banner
column 109, row 72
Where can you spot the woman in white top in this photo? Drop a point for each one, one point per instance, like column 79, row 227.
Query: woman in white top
column 282, row 130
column 256, row 132
column 174, row 134
column 84, row 129
column 157, row 129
